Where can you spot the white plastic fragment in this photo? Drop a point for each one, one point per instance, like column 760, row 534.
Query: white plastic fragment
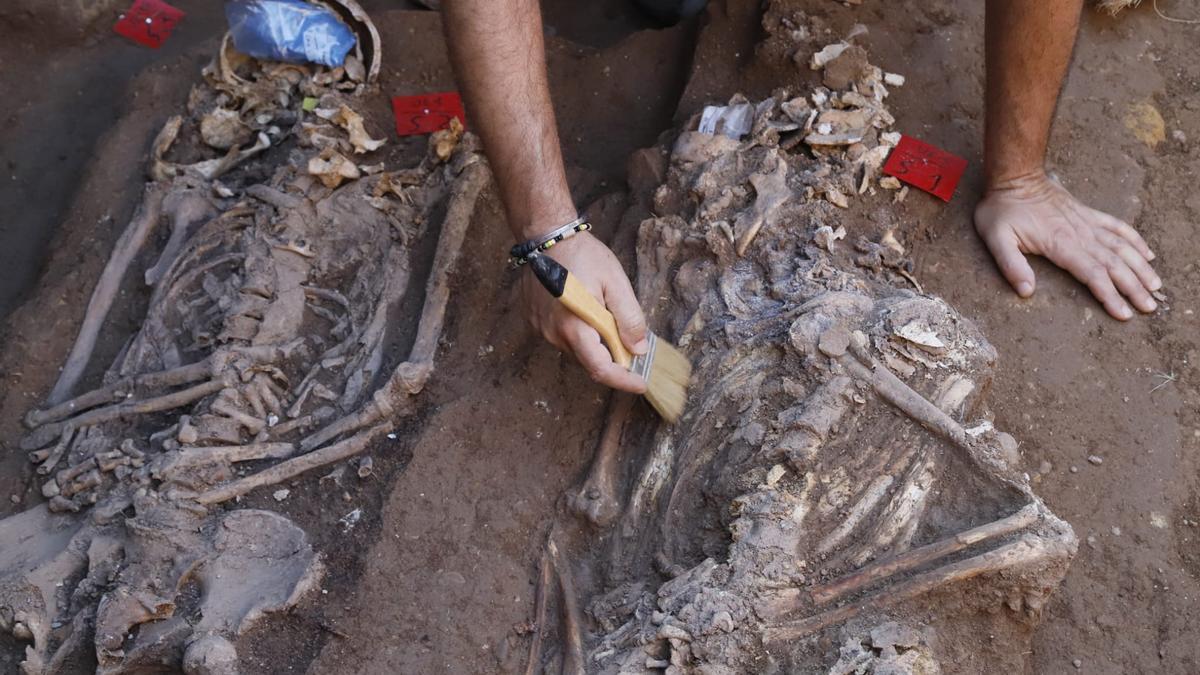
column 732, row 121
column 351, row 519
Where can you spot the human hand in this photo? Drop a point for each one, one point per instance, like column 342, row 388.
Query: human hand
column 589, row 261
column 1038, row 216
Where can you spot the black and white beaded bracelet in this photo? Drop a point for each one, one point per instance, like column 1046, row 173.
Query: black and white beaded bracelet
column 519, row 255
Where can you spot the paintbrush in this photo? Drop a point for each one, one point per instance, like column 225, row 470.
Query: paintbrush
column 665, row 369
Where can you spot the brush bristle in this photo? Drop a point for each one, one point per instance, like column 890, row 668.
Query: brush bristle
column 666, row 388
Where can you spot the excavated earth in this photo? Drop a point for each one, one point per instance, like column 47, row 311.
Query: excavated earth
column 440, row 573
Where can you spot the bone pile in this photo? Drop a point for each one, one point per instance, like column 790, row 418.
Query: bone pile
column 263, row 354
column 835, row 498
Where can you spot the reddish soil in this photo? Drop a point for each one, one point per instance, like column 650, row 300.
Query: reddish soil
column 439, row 574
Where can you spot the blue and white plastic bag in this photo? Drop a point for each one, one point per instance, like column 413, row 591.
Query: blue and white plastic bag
column 288, row 30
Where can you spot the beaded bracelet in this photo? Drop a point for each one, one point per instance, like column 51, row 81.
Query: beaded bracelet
column 519, row 255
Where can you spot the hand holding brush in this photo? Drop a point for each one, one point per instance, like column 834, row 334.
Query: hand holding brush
column 665, row 369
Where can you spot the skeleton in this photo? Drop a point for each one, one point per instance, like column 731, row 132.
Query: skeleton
column 822, row 482
column 265, row 341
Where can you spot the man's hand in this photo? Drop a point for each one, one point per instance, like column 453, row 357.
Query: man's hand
column 590, row 261
column 1037, row 216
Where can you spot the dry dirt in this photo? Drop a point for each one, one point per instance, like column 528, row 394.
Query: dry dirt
column 439, row 575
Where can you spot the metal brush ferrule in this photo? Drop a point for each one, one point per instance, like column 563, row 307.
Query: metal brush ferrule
column 642, row 363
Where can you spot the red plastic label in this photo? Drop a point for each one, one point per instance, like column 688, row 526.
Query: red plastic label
column 148, row 22
column 427, row 113
column 925, row 167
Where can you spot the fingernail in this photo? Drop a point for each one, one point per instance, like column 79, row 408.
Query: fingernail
column 1123, row 312
column 641, row 347
column 1155, row 284
column 1024, row 289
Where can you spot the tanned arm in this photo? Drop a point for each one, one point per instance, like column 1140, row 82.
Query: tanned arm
column 499, row 59
column 1025, row 211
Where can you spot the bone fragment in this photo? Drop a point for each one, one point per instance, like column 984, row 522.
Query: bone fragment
column 366, row 466
column 128, row 245
column 864, row 506
column 572, row 618
column 56, row 453
column 184, row 209
column 294, row 467
column 893, row 390
column 539, row 614
column 189, row 458
column 597, row 497
column 771, row 192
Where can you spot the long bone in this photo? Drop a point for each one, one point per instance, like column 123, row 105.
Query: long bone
column 918, row 557
column 128, row 245
column 294, row 467
column 1026, row 551
column 45, row 434
column 597, row 498
column 573, row 643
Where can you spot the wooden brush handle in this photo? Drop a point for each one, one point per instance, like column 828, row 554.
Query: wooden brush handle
column 585, row 306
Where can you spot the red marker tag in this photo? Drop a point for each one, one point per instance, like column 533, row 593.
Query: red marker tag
column 925, row 167
column 148, row 22
column 426, row 113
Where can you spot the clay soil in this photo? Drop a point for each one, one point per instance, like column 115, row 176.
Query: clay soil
column 439, row 574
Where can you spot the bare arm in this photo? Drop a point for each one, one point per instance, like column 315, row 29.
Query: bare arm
column 499, row 59
column 1025, row 211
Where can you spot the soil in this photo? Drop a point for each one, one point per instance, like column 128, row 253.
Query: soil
column 438, row 576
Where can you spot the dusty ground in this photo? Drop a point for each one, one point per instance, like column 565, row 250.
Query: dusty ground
column 438, row 577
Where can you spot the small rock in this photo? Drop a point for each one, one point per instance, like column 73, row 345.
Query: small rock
column 16, row 499
column 1096, row 459
column 889, row 183
column 281, row 495
column 894, row 79
column 846, row 68
column 1116, row 531
column 1045, row 467
column 1179, row 136
column 1074, row 469
column 1077, row 663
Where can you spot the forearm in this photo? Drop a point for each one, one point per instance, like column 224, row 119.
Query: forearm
column 498, row 54
column 1029, row 44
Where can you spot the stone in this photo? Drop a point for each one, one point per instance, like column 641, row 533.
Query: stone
column 850, row 65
